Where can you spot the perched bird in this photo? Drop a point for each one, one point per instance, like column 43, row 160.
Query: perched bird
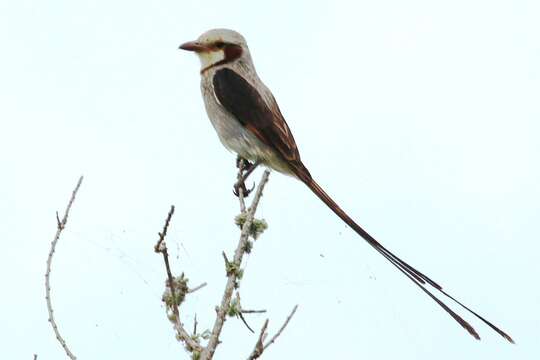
column 248, row 122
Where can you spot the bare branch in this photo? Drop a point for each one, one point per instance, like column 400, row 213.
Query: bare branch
column 60, row 225
column 163, row 233
column 241, row 166
column 232, row 275
column 282, row 328
column 259, row 348
column 161, row 247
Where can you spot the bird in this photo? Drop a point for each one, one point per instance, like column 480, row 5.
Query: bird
column 248, row 122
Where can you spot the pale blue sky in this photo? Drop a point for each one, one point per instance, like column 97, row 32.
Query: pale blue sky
column 422, row 118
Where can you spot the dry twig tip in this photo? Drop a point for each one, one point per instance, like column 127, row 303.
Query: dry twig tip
column 60, row 225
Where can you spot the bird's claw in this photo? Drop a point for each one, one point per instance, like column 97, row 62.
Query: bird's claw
column 242, row 186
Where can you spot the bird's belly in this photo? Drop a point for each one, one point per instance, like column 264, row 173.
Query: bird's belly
column 235, row 137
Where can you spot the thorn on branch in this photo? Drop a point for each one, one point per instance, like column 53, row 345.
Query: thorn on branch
column 58, row 222
column 225, row 258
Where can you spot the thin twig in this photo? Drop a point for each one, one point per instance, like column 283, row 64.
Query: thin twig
column 197, row 288
column 239, row 312
column 271, row 341
column 163, row 233
column 60, row 225
column 253, row 311
column 232, row 276
column 241, row 316
column 259, row 348
column 227, row 262
column 161, row 247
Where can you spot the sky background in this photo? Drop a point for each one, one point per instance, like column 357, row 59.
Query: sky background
column 421, row 118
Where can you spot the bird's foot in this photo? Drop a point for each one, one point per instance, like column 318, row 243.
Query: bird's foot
column 246, row 166
column 240, row 185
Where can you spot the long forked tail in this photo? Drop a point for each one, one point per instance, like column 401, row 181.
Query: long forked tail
column 414, row 275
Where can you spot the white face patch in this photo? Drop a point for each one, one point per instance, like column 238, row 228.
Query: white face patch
column 210, row 57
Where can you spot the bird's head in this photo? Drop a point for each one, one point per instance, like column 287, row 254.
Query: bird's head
column 218, row 46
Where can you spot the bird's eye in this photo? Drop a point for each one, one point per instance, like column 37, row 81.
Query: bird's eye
column 219, row 44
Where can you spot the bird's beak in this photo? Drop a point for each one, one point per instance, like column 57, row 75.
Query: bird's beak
column 193, row 46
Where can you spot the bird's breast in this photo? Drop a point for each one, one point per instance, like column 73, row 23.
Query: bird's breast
column 233, row 135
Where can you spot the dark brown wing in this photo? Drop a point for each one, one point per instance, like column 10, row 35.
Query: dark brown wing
column 264, row 120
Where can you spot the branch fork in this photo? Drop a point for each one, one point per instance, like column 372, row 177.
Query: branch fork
column 250, row 227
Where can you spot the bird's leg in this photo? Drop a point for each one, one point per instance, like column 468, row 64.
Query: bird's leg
column 246, row 168
column 241, row 162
